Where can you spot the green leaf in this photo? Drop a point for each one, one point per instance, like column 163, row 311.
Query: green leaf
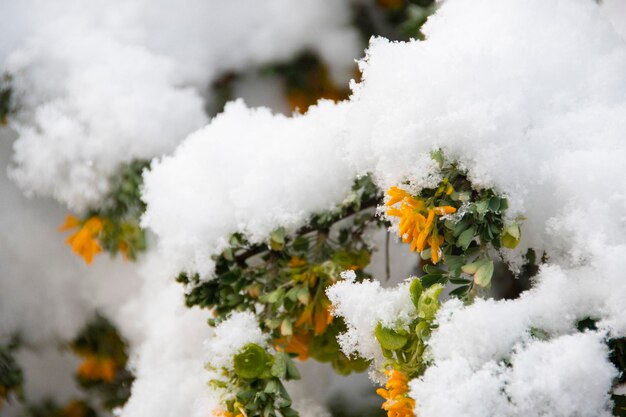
column 276, row 295
column 494, row 204
column 437, row 156
column 286, row 328
column 460, row 291
column 511, row 236
column 482, row 206
column 244, row 397
column 271, row 387
column 292, row 370
column 484, row 273
column 277, row 239
column 431, row 269
column 282, row 402
column 251, row 361
column 454, row 262
column 466, row 238
column 462, row 225
column 416, row 290
column 390, row 339
column 471, row 268
column 428, row 303
column 303, row 295
column 539, row 334
column 429, row 280
column 279, row 367
column 301, row 244
column 422, row 330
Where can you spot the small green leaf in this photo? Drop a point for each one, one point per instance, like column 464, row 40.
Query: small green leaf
column 437, row 156
column 390, row 339
column 244, row 397
column 422, row 330
column 430, row 279
column 251, row 361
column 286, row 328
column 416, row 290
column 303, row 295
column 511, row 236
column 277, row 239
column 292, row 370
column 471, row 268
column 462, row 225
column 282, row 402
column 271, row 387
column 466, row 238
column 275, row 295
column 279, row 367
column 460, row 291
column 484, row 273
column 428, row 303
column 301, row 244
column 494, row 204
column 482, row 206
column 539, row 334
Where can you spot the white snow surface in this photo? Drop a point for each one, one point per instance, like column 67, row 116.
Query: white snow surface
column 530, row 97
column 104, row 82
column 363, row 305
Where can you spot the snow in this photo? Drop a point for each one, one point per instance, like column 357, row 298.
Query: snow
column 103, row 83
column 527, row 96
column 530, row 101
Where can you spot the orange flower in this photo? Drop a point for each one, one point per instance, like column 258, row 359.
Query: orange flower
column 397, row 403
column 95, row 368
column 418, row 224
column 297, row 343
column 295, row 262
column 322, row 317
column 123, row 248
column 75, row 409
column 84, row 241
column 71, row 222
column 306, row 318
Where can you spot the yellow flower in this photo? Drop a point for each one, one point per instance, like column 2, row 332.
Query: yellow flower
column 84, row 241
column 418, row 223
column 397, row 403
column 95, row 368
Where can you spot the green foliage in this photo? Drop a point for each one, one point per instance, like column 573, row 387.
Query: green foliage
column 475, row 230
column 100, row 342
column 257, row 381
column 6, row 102
column 49, row 408
column 393, row 19
column 284, row 279
column 404, row 345
column 121, row 210
column 11, row 376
